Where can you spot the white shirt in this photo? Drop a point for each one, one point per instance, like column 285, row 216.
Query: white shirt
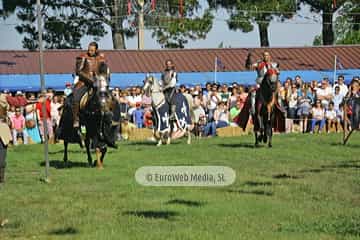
column 213, row 102
column 343, row 89
column 134, row 99
column 318, row 113
column 293, row 100
column 324, row 92
column 54, row 110
column 330, row 114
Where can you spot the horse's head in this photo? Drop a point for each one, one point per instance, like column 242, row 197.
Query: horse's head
column 148, row 85
column 271, row 79
column 103, row 78
column 102, row 84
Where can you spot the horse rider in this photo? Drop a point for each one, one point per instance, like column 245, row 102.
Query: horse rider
column 261, row 67
column 87, row 70
column 352, row 99
column 168, row 84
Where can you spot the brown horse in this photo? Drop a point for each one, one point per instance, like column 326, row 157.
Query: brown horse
column 264, row 108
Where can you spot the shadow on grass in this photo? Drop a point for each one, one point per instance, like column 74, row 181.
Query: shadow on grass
column 58, row 164
column 186, row 203
column 167, row 215
column 355, row 164
column 347, row 145
column 286, row 176
column 256, row 192
column 69, row 151
column 239, row 145
column 341, row 165
column 255, row 184
column 313, row 170
column 64, row 231
column 149, row 143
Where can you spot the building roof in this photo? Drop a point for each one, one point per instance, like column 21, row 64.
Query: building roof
column 186, row 60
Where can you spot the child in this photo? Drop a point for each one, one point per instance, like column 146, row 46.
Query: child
column 331, row 118
column 138, row 115
column 126, row 129
column 18, row 126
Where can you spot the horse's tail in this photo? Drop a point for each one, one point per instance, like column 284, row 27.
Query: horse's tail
column 65, row 130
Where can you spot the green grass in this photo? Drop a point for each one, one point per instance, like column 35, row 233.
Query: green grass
column 305, row 187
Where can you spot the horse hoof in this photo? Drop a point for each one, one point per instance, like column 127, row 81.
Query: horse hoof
column 3, row 222
column 264, row 139
column 270, row 145
column 257, row 145
column 100, row 168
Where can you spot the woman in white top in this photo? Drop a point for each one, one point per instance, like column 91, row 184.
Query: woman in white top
column 318, row 116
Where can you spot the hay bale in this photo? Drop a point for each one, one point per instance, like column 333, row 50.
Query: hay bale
column 230, row 131
column 140, row 134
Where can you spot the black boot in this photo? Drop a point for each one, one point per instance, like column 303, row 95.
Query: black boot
column 172, row 112
column 2, row 175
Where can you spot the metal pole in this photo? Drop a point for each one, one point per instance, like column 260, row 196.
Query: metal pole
column 335, row 63
column 215, row 69
column 43, row 91
column 141, row 26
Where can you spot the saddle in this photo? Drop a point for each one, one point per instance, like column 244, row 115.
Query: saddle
column 86, row 97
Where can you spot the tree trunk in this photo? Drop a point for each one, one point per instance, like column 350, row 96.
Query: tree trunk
column 264, row 38
column 327, row 29
column 117, row 35
column 118, row 39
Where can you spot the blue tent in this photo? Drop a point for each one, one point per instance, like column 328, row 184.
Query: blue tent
column 31, row 82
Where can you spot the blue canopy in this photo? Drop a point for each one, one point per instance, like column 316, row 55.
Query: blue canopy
column 31, row 82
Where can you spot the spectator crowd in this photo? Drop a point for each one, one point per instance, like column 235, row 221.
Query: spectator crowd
column 310, row 107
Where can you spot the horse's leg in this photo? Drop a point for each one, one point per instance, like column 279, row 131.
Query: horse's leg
column 65, row 151
column 269, row 131
column 261, row 127
column 256, row 138
column 265, row 133
column 87, row 144
column 103, row 152
column 270, row 137
column 168, row 138
column 188, row 135
column 98, row 158
column 160, row 140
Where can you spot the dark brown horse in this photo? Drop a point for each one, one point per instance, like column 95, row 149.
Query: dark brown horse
column 96, row 117
column 264, row 108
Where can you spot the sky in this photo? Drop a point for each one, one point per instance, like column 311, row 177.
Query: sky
column 299, row 31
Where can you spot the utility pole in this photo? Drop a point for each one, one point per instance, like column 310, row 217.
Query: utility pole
column 141, row 25
column 42, row 82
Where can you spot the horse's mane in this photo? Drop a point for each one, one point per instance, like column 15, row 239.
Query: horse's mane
column 103, row 68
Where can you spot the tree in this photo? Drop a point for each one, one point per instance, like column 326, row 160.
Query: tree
column 244, row 14
column 67, row 21
column 175, row 32
column 347, row 23
column 327, row 9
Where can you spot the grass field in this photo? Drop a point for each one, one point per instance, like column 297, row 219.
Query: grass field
column 305, row 187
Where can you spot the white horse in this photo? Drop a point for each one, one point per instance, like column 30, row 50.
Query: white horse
column 164, row 129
